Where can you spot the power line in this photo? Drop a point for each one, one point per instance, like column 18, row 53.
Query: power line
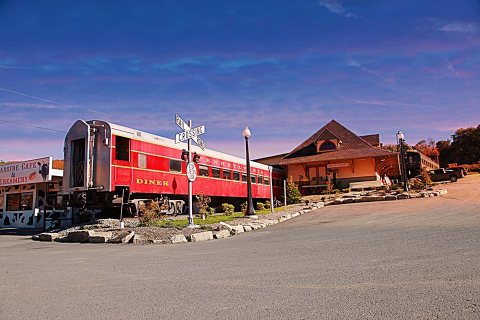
column 31, row 126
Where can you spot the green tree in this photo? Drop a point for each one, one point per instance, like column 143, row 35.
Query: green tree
column 463, row 149
column 293, row 194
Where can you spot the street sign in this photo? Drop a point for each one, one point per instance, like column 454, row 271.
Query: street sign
column 191, row 171
column 189, row 133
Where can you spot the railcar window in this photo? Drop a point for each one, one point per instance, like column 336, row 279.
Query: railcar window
column 216, row 172
column 244, row 177
column 203, row 170
column 142, row 160
column 175, row 165
column 236, row 175
column 260, row 179
column 254, row 179
column 227, row 174
column 122, row 149
column 266, row 181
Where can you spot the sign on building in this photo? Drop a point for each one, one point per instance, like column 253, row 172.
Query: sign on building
column 31, row 171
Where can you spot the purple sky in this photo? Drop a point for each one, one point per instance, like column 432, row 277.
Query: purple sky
column 283, row 67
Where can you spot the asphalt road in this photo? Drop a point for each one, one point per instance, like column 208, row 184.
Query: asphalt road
column 409, row 259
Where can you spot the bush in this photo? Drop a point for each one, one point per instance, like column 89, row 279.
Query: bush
column 202, row 203
column 152, row 211
column 243, row 207
column 260, row 206
column 293, row 194
column 426, row 177
column 268, row 205
column 228, row 208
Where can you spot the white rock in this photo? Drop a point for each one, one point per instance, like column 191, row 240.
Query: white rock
column 178, row 238
column 201, row 236
column 221, row 234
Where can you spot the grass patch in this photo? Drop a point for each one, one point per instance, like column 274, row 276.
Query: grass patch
column 208, row 220
column 277, row 209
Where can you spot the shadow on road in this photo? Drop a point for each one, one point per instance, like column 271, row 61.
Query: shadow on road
column 19, row 232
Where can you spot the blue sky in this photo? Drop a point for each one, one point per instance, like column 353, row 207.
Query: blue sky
column 283, row 67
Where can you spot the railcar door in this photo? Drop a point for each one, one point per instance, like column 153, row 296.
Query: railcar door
column 78, row 156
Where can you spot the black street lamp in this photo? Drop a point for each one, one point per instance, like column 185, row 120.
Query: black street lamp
column 250, row 213
column 403, row 163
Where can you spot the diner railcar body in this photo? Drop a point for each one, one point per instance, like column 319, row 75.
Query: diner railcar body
column 107, row 164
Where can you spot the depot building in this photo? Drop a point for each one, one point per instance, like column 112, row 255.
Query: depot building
column 337, row 157
column 29, row 193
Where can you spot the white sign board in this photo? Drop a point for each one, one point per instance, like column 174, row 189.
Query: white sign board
column 189, row 133
column 31, row 171
column 338, row 165
column 191, row 171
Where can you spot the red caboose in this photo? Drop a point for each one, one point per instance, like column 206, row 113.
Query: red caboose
column 105, row 160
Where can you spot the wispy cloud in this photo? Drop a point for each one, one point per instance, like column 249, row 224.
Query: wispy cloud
column 462, row 27
column 336, row 7
column 354, row 63
column 387, row 103
column 29, row 105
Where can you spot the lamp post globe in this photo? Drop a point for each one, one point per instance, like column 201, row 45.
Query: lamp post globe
column 250, row 213
column 400, row 136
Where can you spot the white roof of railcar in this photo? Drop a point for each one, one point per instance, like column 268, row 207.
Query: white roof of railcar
column 148, row 137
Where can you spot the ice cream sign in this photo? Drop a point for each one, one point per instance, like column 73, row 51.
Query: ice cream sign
column 31, row 171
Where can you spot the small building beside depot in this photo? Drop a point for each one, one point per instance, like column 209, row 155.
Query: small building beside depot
column 29, row 193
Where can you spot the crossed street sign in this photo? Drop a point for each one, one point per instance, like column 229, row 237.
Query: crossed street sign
column 189, row 133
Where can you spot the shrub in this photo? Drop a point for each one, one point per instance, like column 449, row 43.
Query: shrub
column 228, row 208
column 151, row 211
column 293, row 194
column 260, row 206
column 268, row 205
column 426, row 177
column 202, row 203
column 243, row 207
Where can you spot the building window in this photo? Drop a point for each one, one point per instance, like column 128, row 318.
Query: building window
column 216, row 172
column 122, row 149
column 327, row 145
column 142, row 160
column 227, row 174
column 20, row 201
column 236, row 175
column 175, row 165
column 203, row 171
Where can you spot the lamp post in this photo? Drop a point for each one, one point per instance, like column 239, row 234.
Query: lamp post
column 250, row 213
column 403, row 164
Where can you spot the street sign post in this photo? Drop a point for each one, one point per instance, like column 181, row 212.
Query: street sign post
column 190, row 134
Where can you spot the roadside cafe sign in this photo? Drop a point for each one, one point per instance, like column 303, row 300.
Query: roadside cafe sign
column 31, row 171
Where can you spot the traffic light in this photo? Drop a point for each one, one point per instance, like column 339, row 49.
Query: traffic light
column 196, row 157
column 184, row 155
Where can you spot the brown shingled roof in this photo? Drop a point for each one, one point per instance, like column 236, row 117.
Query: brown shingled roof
column 351, row 146
column 373, row 139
